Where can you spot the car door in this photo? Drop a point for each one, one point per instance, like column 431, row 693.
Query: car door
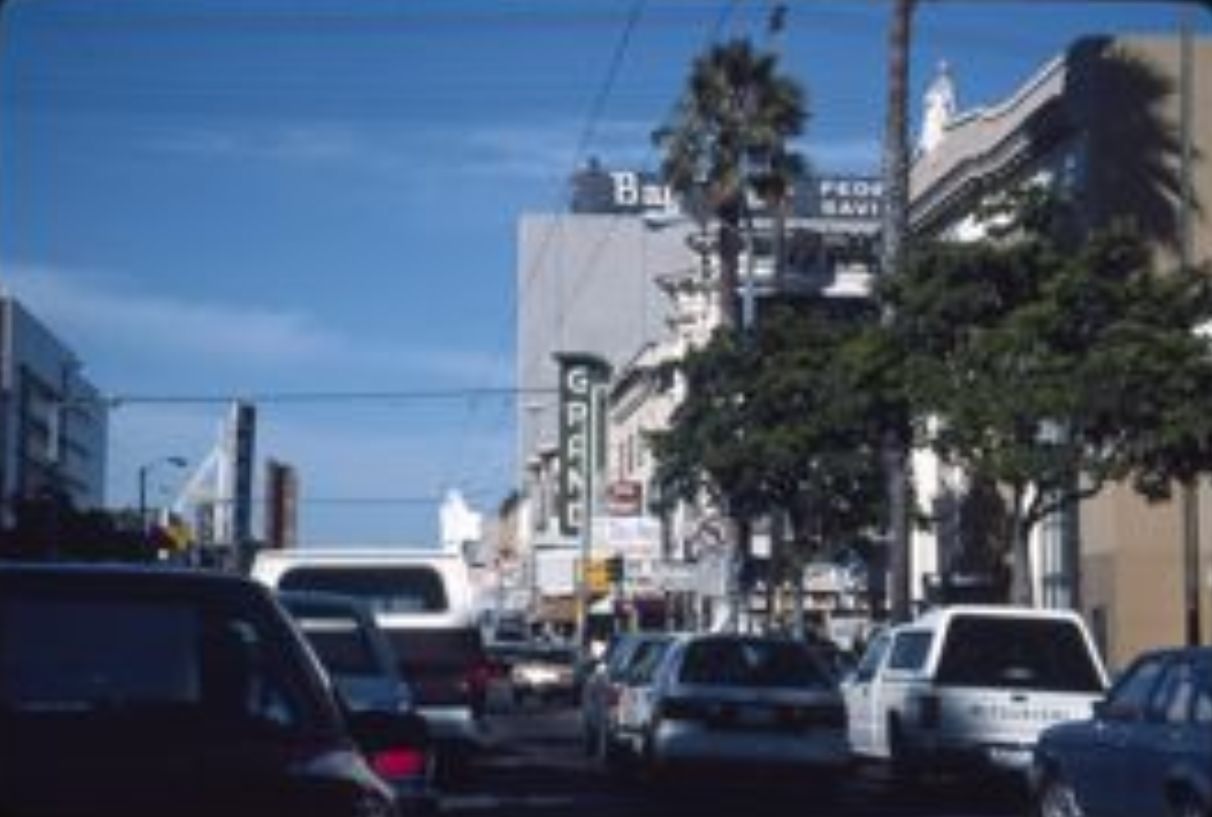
column 1166, row 746
column 861, row 695
column 261, row 714
column 1097, row 771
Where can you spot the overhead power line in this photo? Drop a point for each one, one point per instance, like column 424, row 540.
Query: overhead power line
column 388, row 396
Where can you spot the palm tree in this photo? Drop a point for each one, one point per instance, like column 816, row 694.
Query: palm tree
column 727, row 141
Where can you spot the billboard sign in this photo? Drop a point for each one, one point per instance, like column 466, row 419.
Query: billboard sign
column 624, row 498
column 832, row 197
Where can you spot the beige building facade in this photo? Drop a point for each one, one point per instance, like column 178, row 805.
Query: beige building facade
column 1099, row 123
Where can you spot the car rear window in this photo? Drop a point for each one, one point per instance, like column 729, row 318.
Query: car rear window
column 341, row 644
column 413, row 589
column 74, row 655
column 150, row 658
column 751, row 663
column 1017, row 653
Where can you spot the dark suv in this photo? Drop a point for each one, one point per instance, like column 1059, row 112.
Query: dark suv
column 142, row 691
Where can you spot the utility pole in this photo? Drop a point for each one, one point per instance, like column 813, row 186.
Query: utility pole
column 1190, row 488
column 894, row 228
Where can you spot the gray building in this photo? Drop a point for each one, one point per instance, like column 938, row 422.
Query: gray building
column 52, row 423
column 587, row 283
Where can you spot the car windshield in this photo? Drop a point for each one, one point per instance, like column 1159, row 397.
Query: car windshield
column 751, row 663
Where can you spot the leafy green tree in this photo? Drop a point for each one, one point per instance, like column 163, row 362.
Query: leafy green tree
column 50, row 527
column 1055, row 364
column 727, row 141
column 778, row 423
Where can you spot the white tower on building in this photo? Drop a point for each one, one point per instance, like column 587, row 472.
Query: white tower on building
column 939, row 107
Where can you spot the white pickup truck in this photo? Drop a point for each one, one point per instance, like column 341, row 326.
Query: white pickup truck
column 971, row 687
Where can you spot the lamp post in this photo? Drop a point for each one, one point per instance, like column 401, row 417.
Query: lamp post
column 144, row 470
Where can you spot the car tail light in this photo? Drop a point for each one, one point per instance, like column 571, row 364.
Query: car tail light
column 478, row 676
column 400, row 763
column 928, row 711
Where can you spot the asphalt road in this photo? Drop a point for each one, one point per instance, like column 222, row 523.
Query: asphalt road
column 535, row 766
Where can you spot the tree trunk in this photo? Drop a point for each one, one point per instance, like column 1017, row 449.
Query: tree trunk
column 1021, row 587
column 730, row 259
column 895, row 217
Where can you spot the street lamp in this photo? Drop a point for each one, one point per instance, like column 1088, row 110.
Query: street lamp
column 144, row 470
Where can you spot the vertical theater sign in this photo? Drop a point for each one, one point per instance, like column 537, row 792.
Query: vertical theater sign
column 581, row 432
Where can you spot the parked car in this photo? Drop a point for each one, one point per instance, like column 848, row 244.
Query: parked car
column 602, row 689
column 734, row 700
column 971, row 687
column 146, row 691
column 362, row 664
column 422, row 600
column 1146, row 751
column 632, row 714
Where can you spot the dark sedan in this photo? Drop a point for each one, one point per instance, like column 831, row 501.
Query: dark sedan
column 1146, row 751
column 141, row 691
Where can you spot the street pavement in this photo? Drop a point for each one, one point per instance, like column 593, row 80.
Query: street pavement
column 534, row 765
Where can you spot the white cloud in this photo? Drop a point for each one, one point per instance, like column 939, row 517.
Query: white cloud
column 527, row 151
column 91, row 311
column 298, row 143
column 548, row 150
column 112, row 321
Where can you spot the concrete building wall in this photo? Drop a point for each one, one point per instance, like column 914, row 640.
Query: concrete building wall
column 53, row 426
column 1132, row 550
column 586, row 283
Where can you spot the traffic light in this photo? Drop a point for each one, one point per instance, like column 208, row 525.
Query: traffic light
column 614, row 569
column 597, row 577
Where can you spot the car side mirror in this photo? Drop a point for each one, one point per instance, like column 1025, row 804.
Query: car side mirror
column 1117, row 711
column 377, row 730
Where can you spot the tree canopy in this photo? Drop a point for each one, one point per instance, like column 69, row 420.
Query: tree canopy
column 1053, row 365
column 727, row 140
column 774, row 422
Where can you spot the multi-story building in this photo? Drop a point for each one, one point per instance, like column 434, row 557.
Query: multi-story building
column 627, row 276
column 53, row 423
column 1099, row 123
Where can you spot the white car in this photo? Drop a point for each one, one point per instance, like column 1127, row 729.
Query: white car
column 740, row 700
column 971, row 687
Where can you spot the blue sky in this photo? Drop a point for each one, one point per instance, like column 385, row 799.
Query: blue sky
column 258, row 196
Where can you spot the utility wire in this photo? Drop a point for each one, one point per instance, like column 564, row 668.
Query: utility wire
column 418, row 395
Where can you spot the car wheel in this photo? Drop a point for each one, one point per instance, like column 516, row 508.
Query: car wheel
column 902, row 765
column 1057, row 799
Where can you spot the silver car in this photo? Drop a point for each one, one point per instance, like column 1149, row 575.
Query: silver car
column 602, row 691
column 739, row 699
